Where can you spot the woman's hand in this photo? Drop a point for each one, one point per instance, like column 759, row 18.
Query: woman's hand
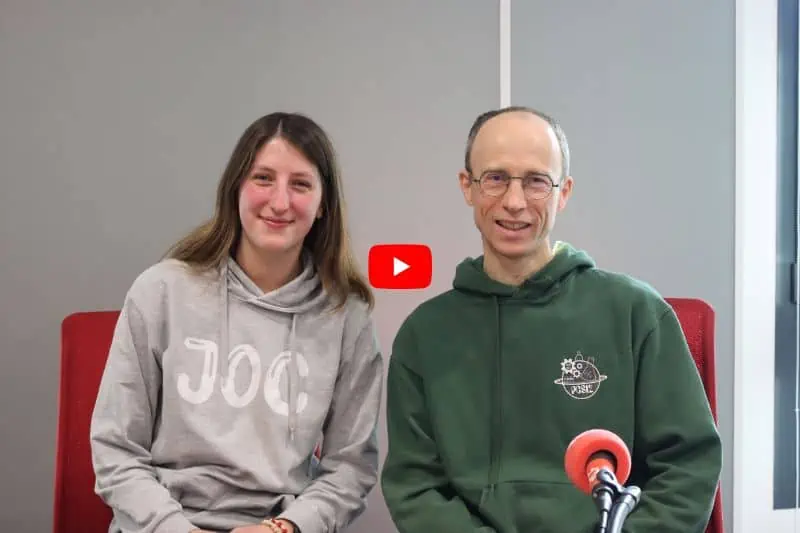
column 285, row 527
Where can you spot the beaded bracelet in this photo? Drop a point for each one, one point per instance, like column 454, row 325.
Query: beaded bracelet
column 275, row 526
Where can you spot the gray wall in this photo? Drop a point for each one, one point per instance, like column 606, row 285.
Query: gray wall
column 118, row 118
column 645, row 91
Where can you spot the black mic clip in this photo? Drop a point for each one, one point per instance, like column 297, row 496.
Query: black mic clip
column 605, row 492
column 613, row 501
column 627, row 500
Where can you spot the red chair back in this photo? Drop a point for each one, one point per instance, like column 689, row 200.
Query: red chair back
column 697, row 321
column 85, row 341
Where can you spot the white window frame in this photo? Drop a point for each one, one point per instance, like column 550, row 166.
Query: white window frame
column 756, row 234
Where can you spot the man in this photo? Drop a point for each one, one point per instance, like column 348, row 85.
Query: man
column 489, row 382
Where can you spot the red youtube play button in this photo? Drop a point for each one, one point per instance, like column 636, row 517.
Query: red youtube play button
column 400, row 266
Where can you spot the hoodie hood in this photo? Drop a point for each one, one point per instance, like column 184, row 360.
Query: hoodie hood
column 301, row 294
column 539, row 288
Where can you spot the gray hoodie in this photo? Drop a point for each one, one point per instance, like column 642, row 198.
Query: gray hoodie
column 216, row 394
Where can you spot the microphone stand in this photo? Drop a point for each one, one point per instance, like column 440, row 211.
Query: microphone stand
column 613, row 501
column 626, row 502
column 604, row 493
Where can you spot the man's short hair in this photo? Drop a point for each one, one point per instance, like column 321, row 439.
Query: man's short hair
column 563, row 146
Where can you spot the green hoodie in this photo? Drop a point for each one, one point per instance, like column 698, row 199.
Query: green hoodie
column 488, row 383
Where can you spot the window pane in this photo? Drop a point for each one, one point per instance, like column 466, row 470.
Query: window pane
column 786, row 356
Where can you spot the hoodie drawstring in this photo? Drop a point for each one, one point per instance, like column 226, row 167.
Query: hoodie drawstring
column 223, row 334
column 497, row 415
column 292, row 373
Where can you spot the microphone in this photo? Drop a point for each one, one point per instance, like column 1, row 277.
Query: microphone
column 598, row 463
column 595, row 450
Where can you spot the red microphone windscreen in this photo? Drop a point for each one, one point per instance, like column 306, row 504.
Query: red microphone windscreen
column 589, row 443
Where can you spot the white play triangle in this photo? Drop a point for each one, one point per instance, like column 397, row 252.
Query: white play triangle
column 398, row 266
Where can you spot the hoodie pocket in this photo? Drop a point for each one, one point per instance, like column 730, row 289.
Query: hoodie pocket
column 540, row 506
column 192, row 488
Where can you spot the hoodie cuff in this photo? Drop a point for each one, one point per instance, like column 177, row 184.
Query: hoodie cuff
column 305, row 516
column 177, row 523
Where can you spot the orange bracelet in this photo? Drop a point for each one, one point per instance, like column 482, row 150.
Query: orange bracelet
column 275, row 525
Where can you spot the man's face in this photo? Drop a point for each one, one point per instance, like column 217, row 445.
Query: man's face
column 516, row 222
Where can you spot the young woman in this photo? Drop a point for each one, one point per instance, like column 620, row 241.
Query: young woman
column 245, row 350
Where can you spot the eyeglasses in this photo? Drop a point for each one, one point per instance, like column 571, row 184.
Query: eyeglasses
column 535, row 186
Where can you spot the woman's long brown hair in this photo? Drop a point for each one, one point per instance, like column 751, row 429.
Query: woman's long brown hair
column 210, row 244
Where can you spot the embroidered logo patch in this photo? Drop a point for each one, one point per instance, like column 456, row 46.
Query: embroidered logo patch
column 580, row 378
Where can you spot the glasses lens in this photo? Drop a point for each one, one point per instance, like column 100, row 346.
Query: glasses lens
column 537, row 187
column 494, row 183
